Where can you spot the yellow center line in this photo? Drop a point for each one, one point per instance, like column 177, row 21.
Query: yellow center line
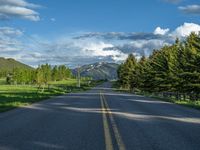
column 117, row 135
column 108, row 139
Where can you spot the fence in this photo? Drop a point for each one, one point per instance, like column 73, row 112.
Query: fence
column 178, row 96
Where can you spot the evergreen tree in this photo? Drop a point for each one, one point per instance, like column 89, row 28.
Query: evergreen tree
column 174, row 68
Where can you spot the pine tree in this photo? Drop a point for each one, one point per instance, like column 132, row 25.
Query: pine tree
column 174, row 68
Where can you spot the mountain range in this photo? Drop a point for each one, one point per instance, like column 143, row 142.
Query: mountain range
column 98, row 71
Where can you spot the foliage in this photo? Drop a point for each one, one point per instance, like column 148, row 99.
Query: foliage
column 40, row 76
column 174, row 68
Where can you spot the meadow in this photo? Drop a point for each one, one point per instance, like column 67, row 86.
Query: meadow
column 13, row 96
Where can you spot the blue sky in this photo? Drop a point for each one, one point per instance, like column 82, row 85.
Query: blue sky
column 91, row 30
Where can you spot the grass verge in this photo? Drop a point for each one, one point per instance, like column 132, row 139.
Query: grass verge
column 13, row 96
column 187, row 103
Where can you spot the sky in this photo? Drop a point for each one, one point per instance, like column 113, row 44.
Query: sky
column 77, row 32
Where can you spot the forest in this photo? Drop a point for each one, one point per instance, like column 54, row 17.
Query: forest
column 41, row 75
column 173, row 69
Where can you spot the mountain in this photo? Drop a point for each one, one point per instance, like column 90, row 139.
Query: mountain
column 97, row 71
column 9, row 64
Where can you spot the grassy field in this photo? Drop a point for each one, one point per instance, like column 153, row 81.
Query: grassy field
column 12, row 96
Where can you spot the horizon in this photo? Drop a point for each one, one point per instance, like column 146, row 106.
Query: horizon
column 77, row 32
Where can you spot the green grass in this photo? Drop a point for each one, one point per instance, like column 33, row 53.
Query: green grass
column 187, row 103
column 193, row 104
column 13, row 96
column 2, row 81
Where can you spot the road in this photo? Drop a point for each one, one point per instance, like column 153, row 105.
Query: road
column 100, row 119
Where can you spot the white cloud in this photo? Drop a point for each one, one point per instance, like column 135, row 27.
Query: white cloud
column 72, row 51
column 145, row 47
column 69, row 51
column 21, row 3
column 97, row 49
column 181, row 31
column 101, row 49
column 160, row 31
column 190, row 9
column 9, row 39
column 10, row 31
column 18, row 8
column 186, row 29
column 148, row 43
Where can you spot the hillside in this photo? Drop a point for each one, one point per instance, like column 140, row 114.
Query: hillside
column 98, row 71
column 9, row 64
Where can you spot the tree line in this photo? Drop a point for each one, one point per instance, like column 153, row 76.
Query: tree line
column 41, row 75
column 173, row 68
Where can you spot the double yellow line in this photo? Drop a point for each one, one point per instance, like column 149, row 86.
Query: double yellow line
column 107, row 115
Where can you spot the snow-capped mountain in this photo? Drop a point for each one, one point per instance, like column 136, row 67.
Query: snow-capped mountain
column 100, row 70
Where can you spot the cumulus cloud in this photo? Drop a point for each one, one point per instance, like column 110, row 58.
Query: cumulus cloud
column 10, row 31
column 137, row 43
column 9, row 39
column 145, row 47
column 89, row 47
column 190, row 9
column 159, row 31
column 101, row 49
column 71, row 52
column 18, row 8
column 186, row 29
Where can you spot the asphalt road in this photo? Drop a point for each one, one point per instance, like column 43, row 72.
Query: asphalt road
column 100, row 119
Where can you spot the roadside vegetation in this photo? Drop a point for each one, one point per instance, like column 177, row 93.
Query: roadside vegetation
column 22, row 86
column 172, row 72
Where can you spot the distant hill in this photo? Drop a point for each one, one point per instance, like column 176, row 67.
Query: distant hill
column 9, row 64
column 99, row 71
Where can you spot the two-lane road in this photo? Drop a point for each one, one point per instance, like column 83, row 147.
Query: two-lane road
column 100, row 119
